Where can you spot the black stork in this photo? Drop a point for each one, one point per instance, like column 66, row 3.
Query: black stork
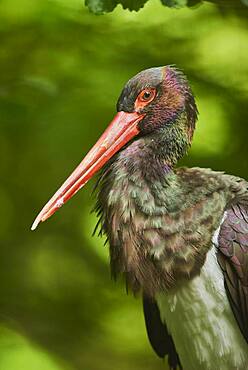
column 178, row 235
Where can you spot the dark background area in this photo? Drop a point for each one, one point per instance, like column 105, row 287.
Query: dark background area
column 62, row 69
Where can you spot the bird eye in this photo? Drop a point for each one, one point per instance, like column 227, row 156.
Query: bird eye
column 145, row 97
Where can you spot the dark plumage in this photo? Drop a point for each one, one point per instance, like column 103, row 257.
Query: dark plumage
column 168, row 226
column 233, row 259
column 160, row 339
column 160, row 221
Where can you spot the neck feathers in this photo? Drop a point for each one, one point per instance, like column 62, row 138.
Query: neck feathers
column 170, row 143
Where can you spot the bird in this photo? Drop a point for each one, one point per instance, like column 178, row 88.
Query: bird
column 178, row 235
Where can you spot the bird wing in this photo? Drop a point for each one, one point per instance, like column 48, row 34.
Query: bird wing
column 233, row 258
column 159, row 337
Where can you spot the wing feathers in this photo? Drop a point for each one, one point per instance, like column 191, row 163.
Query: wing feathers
column 233, row 259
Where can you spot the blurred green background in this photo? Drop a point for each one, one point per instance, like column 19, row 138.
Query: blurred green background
column 62, row 69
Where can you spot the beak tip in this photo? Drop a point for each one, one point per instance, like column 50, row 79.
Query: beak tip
column 35, row 224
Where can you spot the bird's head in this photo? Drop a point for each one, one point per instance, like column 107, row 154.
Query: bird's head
column 156, row 103
column 163, row 97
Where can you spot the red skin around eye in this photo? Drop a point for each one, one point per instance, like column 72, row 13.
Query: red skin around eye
column 141, row 102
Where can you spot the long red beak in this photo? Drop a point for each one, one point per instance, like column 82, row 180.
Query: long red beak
column 122, row 129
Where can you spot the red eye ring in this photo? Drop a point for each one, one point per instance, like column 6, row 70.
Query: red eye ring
column 145, row 97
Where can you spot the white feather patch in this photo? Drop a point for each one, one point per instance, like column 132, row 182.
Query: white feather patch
column 201, row 322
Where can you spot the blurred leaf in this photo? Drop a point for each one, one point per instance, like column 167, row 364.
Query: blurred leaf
column 133, row 4
column 174, row 3
column 101, row 6
column 106, row 6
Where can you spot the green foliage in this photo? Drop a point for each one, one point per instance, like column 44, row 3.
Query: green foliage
column 100, row 6
column 174, row 3
column 62, row 69
column 106, row 6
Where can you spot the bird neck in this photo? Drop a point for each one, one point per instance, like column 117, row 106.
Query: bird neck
column 143, row 178
column 155, row 155
column 143, row 159
column 172, row 142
